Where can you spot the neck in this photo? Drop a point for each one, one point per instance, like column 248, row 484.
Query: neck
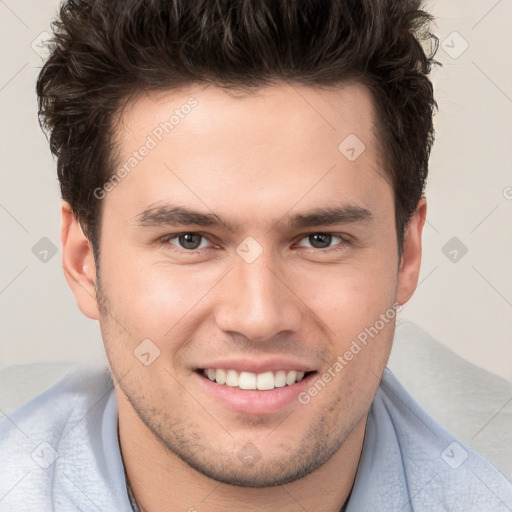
column 162, row 481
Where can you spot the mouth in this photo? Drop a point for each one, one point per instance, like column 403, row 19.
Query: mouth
column 244, row 380
column 255, row 387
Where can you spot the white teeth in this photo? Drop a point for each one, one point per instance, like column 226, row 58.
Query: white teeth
column 232, row 378
column 280, row 379
column 291, row 377
column 220, row 376
column 265, row 381
column 248, row 380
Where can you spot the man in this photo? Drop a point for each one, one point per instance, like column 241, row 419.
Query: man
column 243, row 208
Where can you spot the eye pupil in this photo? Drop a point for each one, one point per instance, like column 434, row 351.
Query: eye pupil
column 324, row 239
column 190, row 240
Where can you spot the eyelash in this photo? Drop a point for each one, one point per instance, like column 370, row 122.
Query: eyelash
column 345, row 240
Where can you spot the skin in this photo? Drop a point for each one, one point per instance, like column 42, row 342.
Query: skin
column 251, row 159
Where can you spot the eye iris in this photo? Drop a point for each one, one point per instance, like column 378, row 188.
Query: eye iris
column 190, row 240
column 324, row 239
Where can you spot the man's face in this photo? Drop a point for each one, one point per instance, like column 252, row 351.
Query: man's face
column 268, row 295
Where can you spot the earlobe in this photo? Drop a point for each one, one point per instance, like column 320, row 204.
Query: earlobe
column 411, row 256
column 78, row 263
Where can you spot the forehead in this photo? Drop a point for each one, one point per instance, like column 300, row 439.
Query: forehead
column 277, row 145
column 334, row 112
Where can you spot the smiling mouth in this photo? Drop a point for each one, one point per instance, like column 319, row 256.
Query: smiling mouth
column 265, row 381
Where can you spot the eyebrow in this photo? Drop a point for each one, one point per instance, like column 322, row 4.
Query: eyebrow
column 169, row 215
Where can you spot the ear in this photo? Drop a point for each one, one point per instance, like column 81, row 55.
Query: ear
column 411, row 256
column 78, row 263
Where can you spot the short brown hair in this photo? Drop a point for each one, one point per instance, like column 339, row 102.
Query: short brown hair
column 105, row 51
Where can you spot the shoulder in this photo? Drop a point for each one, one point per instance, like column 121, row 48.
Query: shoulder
column 435, row 467
column 64, row 402
column 49, row 446
column 468, row 401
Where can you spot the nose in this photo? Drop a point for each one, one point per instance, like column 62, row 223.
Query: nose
column 257, row 301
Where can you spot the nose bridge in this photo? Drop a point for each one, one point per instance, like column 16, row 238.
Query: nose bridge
column 257, row 303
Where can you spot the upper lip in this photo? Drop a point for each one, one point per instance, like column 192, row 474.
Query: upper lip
column 253, row 366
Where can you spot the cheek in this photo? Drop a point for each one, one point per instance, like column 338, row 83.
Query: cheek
column 350, row 294
column 154, row 299
column 356, row 304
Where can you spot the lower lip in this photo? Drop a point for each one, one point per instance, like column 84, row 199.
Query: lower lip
column 253, row 401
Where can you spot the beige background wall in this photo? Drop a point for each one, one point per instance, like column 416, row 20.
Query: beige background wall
column 465, row 300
